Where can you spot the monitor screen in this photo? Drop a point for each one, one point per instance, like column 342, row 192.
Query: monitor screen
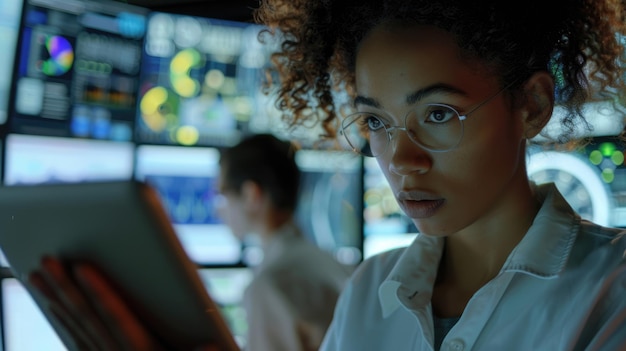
column 24, row 326
column 226, row 286
column 33, row 159
column 329, row 210
column 10, row 14
column 591, row 178
column 185, row 178
column 201, row 80
column 77, row 67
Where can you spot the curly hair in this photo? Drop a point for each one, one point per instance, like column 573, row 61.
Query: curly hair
column 579, row 42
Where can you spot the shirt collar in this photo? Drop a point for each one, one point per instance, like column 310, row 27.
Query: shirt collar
column 274, row 247
column 543, row 252
column 413, row 276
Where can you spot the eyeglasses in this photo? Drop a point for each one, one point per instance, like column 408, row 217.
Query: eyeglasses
column 434, row 127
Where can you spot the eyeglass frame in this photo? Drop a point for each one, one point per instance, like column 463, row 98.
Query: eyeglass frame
column 391, row 129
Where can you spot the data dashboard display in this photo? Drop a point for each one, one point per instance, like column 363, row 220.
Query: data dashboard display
column 185, row 179
column 77, row 68
column 201, row 80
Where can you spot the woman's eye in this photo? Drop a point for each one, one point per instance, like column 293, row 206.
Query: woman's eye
column 439, row 114
column 372, row 122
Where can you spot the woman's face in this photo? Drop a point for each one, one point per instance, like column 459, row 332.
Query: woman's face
column 468, row 186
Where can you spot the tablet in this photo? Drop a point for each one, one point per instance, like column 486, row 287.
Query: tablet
column 121, row 227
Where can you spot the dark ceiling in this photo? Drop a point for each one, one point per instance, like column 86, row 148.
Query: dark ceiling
column 235, row 10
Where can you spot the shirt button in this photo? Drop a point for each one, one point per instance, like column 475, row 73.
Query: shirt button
column 457, row 345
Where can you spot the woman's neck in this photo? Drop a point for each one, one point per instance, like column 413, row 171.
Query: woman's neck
column 475, row 256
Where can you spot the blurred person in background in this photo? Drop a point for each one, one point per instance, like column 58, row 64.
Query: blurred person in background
column 290, row 302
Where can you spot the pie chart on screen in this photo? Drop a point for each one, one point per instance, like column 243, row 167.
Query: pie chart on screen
column 60, row 56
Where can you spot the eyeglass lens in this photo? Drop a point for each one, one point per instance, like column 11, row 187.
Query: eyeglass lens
column 432, row 126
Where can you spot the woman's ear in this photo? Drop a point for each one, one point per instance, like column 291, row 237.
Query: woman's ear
column 538, row 103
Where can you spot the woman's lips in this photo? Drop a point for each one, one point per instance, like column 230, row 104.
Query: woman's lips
column 418, row 209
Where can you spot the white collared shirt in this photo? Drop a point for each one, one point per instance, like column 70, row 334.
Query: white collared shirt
column 290, row 302
column 562, row 288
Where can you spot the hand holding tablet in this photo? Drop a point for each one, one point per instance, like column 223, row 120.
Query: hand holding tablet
column 105, row 266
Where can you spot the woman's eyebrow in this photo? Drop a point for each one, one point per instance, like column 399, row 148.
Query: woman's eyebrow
column 415, row 97
column 363, row 100
column 439, row 88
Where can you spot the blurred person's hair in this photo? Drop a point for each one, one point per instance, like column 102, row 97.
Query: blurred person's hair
column 267, row 161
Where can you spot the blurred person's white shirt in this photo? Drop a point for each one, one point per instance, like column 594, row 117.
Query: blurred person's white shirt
column 562, row 288
column 289, row 303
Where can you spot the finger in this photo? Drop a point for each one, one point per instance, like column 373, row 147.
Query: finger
column 130, row 333
column 74, row 302
column 41, row 286
column 73, row 334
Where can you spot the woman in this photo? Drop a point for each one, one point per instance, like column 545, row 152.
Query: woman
column 446, row 96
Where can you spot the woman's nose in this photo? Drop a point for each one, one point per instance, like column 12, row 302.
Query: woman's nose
column 406, row 157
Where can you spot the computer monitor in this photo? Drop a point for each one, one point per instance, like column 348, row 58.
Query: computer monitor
column 226, row 286
column 592, row 178
column 34, row 159
column 24, row 325
column 185, row 178
column 328, row 211
column 10, row 15
column 77, row 67
column 330, row 206
column 201, row 81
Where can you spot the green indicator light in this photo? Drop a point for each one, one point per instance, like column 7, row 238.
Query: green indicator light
column 617, row 157
column 608, row 175
column 607, row 149
column 595, row 157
